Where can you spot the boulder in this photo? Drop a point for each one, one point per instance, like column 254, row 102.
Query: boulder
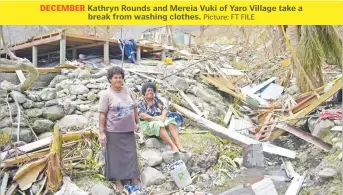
column 28, row 104
column 84, row 74
column 48, row 94
column 327, row 173
column 152, row 143
column 19, row 97
column 100, row 189
column 78, row 89
column 5, row 85
column 56, row 80
column 53, row 113
column 151, row 176
column 73, row 122
column 51, row 103
column 42, row 125
column 152, row 158
column 34, row 112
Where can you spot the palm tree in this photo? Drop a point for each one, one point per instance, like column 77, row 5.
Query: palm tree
column 312, row 45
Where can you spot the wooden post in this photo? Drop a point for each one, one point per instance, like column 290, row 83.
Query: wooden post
column 138, row 53
column 63, row 47
column 74, row 53
column 34, row 55
column 107, row 53
column 163, row 55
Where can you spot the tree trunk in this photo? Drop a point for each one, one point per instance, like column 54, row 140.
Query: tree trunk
column 293, row 34
column 19, row 64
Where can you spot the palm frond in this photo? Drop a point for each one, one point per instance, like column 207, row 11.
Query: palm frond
column 310, row 54
column 331, row 43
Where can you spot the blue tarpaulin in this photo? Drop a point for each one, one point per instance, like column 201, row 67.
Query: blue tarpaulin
column 129, row 49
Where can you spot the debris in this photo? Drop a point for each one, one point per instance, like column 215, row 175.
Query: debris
column 253, row 156
column 234, row 136
column 336, row 128
column 289, row 169
column 296, row 184
column 327, row 173
column 264, row 187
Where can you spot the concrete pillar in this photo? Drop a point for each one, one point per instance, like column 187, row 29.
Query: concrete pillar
column 63, row 47
column 74, row 54
column 138, row 54
column 34, row 55
column 107, row 53
column 163, row 55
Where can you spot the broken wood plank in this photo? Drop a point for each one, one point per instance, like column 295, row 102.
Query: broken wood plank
column 289, row 169
column 337, row 128
column 145, row 71
column 143, row 75
column 296, row 185
column 46, row 141
column 189, row 101
column 305, row 136
column 234, row 136
column 295, row 118
column 227, row 117
column 12, row 189
column 20, row 75
column 22, row 158
column 4, row 184
column 304, row 103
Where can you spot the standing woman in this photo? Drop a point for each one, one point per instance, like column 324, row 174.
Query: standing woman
column 118, row 121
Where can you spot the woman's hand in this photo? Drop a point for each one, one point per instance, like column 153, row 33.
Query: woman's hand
column 102, row 138
column 137, row 129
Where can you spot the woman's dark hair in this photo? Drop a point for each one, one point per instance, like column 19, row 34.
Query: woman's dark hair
column 115, row 70
column 147, row 85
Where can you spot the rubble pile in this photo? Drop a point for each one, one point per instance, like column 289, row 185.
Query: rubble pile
column 242, row 124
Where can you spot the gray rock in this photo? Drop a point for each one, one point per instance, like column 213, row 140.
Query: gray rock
column 201, row 93
column 102, row 80
column 337, row 122
column 42, row 125
column 73, row 122
column 100, row 189
column 190, row 188
column 45, row 135
column 53, row 112
column 38, row 104
column 3, row 93
column 5, row 123
column 101, row 73
column 327, row 173
column 253, row 156
column 5, row 110
column 34, row 112
column 34, row 97
column 152, row 158
column 48, row 94
column 339, row 144
column 19, row 97
column 69, row 188
column 293, row 89
column 151, row 176
column 7, row 85
column 103, row 85
column 65, row 84
column 78, row 89
column 56, row 80
column 91, row 96
column 84, row 74
column 92, row 86
column 83, row 108
column 81, row 97
column 26, row 135
column 181, row 83
column 152, row 143
column 322, row 128
column 51, row 103
column 169, row 156
column 28, row 104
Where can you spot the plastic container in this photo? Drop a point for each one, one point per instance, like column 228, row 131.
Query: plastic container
column 180, row 174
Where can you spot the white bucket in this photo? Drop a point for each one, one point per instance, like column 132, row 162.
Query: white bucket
column 181, row 175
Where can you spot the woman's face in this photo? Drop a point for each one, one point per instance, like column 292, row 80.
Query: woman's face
column 149, row 93
column 117, row 80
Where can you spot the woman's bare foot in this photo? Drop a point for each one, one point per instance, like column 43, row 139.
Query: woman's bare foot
column 119, row 186
column 135, row 181
column 175, row 149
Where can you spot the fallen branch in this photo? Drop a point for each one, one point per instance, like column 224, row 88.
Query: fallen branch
column 234, row 136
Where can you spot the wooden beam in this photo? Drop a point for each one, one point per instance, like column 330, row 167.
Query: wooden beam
column 107, row 53
column 189, row 101
column 232, row 135
column 138, row 54
column 34, row 43
column 163, row 55
column 74, row 50
column 34, row 55
column 20, row 75
column 63, row 45
column 40, row 70
column 78, row 47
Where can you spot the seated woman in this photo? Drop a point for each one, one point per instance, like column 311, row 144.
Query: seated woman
column 154, row 120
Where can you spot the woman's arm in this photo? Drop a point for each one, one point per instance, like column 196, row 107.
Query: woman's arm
column 147, row 117
column 164, row 114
